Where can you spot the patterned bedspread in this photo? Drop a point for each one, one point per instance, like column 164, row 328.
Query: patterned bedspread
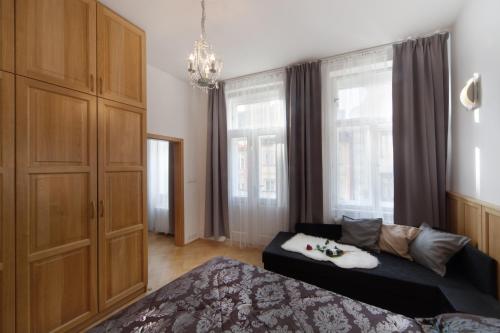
column 225, row 295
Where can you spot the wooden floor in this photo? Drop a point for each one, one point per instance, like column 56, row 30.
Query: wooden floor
column 167, row 261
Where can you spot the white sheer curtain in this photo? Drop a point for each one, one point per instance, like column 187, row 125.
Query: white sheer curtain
column 158, row 187
column 258, row 183
column 357, row 135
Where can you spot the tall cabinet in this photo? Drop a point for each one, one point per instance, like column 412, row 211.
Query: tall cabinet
column 121, row 64
column 7, row 159
column 80, row 128
column 7, row 254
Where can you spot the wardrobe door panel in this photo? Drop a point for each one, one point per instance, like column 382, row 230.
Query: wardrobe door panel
column 56, row 142
column 66, row 224
column 7, row 274
column 124, row 137
column 121, row 59
column 56, row 42
column 122, row 200
column 59, row 289
column 124, row 265
column 7, row 35
column 124, row 190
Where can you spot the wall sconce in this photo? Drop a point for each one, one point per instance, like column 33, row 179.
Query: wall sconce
column 469, row 97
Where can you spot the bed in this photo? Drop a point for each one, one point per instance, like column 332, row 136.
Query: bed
column 225, row 295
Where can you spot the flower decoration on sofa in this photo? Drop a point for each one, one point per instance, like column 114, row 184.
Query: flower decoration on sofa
column 335, row 252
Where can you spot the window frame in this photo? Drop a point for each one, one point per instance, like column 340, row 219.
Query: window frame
column 373, row 127
column 279, row 132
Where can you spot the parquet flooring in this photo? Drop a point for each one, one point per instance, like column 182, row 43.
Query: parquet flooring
column 167, row 261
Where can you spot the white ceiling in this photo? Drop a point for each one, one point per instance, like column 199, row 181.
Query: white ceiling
column 256, row 35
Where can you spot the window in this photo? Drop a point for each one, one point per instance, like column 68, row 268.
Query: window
column 357, row 135
column 256, row 135
column 257, row 158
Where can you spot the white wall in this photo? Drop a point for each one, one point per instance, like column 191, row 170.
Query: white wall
column 176, row 109
column 475, row 160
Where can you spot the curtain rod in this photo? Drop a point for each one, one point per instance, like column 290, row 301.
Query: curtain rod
column 437, row 32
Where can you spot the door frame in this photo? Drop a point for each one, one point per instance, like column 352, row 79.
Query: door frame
column 178, row 152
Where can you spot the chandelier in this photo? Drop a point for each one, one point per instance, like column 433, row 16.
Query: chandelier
column 203, row 66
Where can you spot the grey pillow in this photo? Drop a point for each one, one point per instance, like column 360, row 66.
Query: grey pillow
column 433, row 249
column 363, row 233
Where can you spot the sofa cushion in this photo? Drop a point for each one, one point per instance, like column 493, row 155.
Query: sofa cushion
column 363, row 233
column 433, row 249
column 396, row 239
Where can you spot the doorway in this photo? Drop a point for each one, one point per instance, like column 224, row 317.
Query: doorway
column 165, row 204
column 171, row 171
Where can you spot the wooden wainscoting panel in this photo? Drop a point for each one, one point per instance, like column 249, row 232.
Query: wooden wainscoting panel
column 7, row 222
column 491, row 222
column 456, row 214
column 121, row 59
column 56, row 42
column 56, row 198
column 478, row 220
column 465, row 218
column 472, row 223
column 7, row 35
column 122, row 202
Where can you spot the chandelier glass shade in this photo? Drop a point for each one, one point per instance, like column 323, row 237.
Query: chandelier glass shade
column 203, row 65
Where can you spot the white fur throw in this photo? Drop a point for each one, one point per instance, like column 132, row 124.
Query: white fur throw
column 352, row 257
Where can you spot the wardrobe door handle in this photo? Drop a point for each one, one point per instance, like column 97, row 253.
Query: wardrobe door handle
column 92, row 82
column 92, row 209
column 100, row 85
column 101, row 208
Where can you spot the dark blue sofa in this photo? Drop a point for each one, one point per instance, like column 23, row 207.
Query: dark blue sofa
column 397, row 284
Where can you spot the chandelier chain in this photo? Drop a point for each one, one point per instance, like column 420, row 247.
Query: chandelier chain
column 203, row 19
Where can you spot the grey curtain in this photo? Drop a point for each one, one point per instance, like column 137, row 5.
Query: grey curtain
column 216, row 205
column 303, row 116
column 420, row 131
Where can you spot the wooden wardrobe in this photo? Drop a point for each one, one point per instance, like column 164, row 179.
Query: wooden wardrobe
column 73, row 113
column 7, row 174
column 7, row 222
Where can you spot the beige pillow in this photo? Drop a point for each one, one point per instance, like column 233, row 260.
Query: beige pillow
column 396, row 239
